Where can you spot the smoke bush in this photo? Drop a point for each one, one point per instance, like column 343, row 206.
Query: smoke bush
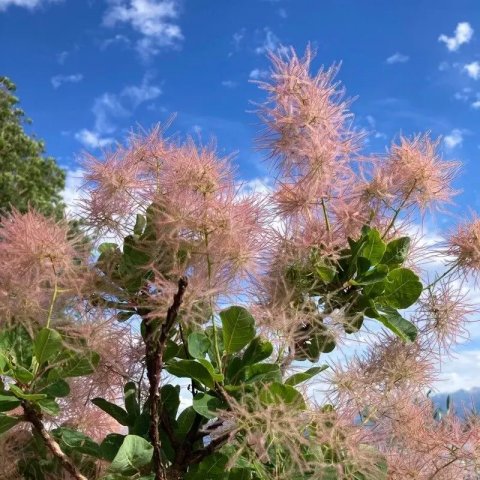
column 220, row 334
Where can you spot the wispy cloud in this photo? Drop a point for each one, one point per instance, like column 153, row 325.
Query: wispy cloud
column 257, row 74
column 453, row 139
column 93, row 140
column 30, row 4
column 463, row 34
column 269, row 43
column 229, row 84
column 58, row 80
column 476, row 104
column 237, row 38
column 472, row 70
column 397, row 58
column 154, row 20
column 109, row 108
column 117, row 39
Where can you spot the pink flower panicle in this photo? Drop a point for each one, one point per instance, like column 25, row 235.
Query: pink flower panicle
column 37, row 255
column 464, row 246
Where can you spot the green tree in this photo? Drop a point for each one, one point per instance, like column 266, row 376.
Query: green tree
column 27, row 176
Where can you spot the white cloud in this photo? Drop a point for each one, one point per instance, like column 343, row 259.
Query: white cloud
column 117, row 39
column 282, row 13
column 476, row 104
column 229, row 84
column 463, row 34
column 71, row 193
column 460, row 372
column 473, row 70
column 108, row 108
column 93, row 140
column 59, row 80
column 154, row 20
column 463, row 95
column 257, row 74
column 238, row 37
column 397, row 58
column 453, row 139
column 30, row 4
column 62, row 57
column 270, row 43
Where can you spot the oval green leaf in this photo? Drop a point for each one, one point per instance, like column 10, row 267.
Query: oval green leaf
column 238, row 328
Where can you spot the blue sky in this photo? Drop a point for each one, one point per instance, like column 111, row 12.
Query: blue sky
column 88, row 71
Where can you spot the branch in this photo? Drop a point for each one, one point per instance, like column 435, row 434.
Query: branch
column 216, row 443
column 35, row 418
column 155, row 347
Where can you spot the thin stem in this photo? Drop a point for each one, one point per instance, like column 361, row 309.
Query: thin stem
column 214, row 326
column 443, row 275
column 54, row 298
column 398, row 210
column 35, row 419
column 324, row 208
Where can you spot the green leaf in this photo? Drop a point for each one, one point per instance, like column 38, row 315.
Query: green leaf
column 198, row 344
column 107, row 247
column 375, row 275
column 140, row 425
column 325, row 273
column 8, row 402
column 131, row 402
column 263, row 372
column 111, row 445
column 397, row 251
column 59, row 388
column 22, row 374
column 133, row 252
column 218, row 377
column 31, row 397
column 280, row 394
column 140, row 223
column 213, row 467
column 118, row 413
column 16, row 344
column 49, row 406
column 75, row 364
column 124, row 316
column 134, row 454
column 191, row 369
column 47, row 344
column 185, row 421
column 74, row 441
column 206, row 405
column 238, row 328
column 374, row 247
column 259, row 349
column 300, row 377
column 240, row 474
column 391, row 319
column 6, row 423
column 170, row 399
column 402, row 288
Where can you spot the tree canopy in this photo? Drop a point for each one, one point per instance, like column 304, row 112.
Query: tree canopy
column 28, row 178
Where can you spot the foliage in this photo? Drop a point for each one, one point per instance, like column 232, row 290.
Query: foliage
column 186, row 346
column 27, row 177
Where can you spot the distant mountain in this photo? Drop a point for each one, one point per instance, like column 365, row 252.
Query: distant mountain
column 462, row 401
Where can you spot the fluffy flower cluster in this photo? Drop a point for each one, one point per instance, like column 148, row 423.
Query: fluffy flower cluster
column 37, row 257
column 200, row 223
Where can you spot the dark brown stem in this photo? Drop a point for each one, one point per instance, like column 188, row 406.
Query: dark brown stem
column 35, row 418
column 155, row 348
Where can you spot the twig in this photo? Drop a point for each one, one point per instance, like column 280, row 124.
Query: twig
column 155, row 347
column 35, row 419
